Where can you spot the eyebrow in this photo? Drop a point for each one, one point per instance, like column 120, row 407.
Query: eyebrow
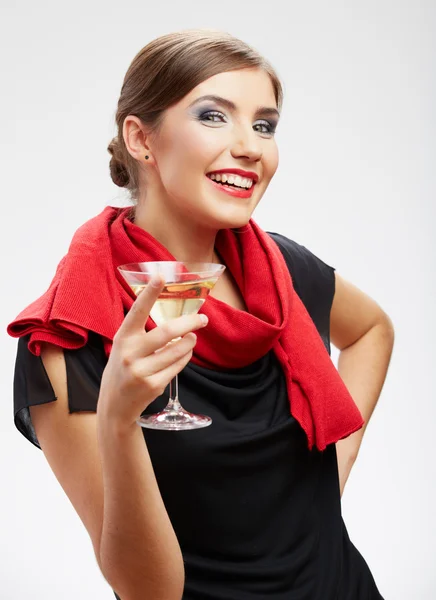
column 260, row 111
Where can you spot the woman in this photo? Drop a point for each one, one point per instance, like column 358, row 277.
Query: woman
column 250, row 506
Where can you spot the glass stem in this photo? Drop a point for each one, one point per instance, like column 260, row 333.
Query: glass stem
column 173, row 403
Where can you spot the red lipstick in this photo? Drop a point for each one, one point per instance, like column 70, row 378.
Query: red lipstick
column 236, row 192
column 241, row 172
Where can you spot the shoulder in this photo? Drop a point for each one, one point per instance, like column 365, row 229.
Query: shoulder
column 309, row 272
column 313, row 281
column 93, row 349
column 33, row 386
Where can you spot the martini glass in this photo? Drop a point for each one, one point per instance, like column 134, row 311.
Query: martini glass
column 187, row 285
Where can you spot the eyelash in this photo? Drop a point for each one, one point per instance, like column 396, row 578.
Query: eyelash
column 215, row 113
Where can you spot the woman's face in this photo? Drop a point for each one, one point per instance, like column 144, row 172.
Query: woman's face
column 224, row 124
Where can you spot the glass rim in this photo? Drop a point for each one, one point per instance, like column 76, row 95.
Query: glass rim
column 210, row 267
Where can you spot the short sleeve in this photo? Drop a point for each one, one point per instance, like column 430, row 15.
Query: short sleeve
column 32, row 385
column 314, row 282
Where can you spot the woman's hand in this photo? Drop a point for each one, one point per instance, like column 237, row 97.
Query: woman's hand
column 136, row 374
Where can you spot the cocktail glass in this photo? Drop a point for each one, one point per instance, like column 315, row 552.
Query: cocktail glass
column 187, row 285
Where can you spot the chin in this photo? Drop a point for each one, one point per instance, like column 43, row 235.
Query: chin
column 225, row 212
column 233, row 217
column 232, row 221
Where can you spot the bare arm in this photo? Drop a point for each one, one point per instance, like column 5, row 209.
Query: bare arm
column 139, row 551
column 364, row 334
column 102, row 462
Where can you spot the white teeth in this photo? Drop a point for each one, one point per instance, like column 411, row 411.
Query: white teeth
column 243, row 182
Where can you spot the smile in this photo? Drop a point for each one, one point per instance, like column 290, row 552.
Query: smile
column 233, row 188
column 235, row 180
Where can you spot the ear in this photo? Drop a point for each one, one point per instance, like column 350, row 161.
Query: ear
column 136, row 138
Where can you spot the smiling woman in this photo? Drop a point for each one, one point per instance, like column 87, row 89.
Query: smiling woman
column 249, row 507
column 225, row 124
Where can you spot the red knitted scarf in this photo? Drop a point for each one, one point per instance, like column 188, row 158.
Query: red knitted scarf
column 89, row 294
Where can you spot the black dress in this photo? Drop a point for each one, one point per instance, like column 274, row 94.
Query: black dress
column 257, row 515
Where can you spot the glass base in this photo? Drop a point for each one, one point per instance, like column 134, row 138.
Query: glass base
column 172, row 420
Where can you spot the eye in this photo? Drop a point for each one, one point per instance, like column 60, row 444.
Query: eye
column 212, row 116
column 265, row 127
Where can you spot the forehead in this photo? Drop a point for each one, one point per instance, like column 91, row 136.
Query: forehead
column 244, row 87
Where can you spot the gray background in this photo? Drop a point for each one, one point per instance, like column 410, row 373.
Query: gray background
column 356, row 185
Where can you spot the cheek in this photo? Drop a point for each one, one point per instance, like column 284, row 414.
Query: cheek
column 202, row 145
column 271, row 161
column 188, row 156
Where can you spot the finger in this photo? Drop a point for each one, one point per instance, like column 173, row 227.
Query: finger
column 137, row 316
column 175, row 328
column 161, row 379
column 165, row 357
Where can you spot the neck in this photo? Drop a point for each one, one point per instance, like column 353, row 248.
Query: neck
column 185, row 240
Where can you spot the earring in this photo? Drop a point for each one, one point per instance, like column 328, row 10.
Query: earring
column 147, row 157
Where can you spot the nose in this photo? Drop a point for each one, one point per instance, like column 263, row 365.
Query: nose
column 246, row 144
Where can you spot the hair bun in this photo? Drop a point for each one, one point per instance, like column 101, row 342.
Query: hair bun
column 118, row 171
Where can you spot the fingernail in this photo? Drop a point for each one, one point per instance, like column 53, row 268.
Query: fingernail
column 156, row 282
column 204, row 319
